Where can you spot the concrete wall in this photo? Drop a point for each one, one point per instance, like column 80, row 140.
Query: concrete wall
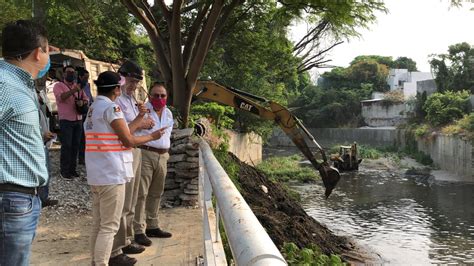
column 449, row 153
column 428, row 85
column 381, row 114
column 246, row 146
column 452, row 154
column 328, row 137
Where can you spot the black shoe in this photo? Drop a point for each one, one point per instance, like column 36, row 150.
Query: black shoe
column 66, row 177
column 157, row 232
column 49, row 202
column 142, row 240
column 133, row 248
column 122, row 260
column 75, row 174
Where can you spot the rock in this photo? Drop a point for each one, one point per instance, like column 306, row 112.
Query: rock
column 195, row 181
column 178, row 142
column 264, row 189
column 192, row 146
column 173, row 192
column 193, row 187
column 177, row 158
column 186, row 165
column 193, row 159
column 192, row 153
column 182, row 133
column 180, row 148
column 187, row 197
column 171, row 170
column 186, row 174
column 191, row 191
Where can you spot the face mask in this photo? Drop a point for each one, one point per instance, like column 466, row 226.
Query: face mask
column 158, row 103
column 45, row 69
column 70, row 77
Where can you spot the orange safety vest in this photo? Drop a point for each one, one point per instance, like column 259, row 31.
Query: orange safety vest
column 108, row 162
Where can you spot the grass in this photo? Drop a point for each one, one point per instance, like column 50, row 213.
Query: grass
column 285, row 169
column 311, row 255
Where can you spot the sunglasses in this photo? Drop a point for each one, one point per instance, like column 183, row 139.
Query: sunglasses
column 157, row 95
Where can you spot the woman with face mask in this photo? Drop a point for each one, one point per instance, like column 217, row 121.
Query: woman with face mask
column 109, row 164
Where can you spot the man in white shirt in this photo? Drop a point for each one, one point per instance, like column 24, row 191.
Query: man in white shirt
column 154, row 167
column 132, row 73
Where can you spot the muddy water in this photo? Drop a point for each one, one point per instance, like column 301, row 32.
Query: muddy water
column 405, row 219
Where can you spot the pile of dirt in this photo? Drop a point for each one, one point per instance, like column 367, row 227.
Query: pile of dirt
column 285, row 220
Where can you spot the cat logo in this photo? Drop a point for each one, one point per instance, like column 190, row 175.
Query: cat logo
column 246, row 106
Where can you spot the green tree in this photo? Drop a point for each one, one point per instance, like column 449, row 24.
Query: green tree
column 183, row 33
column 385, row 60
column 455, row 70
column 404, row 63
column 443, row 108
column 370, row 72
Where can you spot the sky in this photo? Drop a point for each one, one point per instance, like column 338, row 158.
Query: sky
column 412, row 28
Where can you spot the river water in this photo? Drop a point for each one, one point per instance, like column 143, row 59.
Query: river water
column 405, row 219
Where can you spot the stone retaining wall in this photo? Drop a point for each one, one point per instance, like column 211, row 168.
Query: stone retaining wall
column 181, row 186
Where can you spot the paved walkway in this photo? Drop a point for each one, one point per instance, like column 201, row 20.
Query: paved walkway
column 66, row 242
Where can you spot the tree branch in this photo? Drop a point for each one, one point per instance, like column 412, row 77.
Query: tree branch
column 225, row 15
column 192, row 35
column 203, row 46
column 154, row 35
column 175, row 43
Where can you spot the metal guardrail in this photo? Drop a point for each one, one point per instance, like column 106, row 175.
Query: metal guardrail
column 248, row 240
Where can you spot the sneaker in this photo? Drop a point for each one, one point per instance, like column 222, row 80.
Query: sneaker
column 133, row 248
column 157, row 232
column 122, row 260
column 49, row 202
column 142, row 240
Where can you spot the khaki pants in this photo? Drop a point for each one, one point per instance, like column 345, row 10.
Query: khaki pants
column 152, row 184
column 125, row 233
column 107, row 205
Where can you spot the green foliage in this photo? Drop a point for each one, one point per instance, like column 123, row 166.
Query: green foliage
column 443, row 108
column 370, row 71
column 309, row 256
column 404, row 63
column 366, row 152
column 217, row 114
column 394, row 97
column 463, row 127
column 422, row 130
column 230, row 166
column 455, row 70
column 284, row 169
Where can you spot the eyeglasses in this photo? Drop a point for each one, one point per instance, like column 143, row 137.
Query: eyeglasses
column 157, row 95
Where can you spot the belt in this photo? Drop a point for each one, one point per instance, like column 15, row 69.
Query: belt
column 18, row 188
column 148, row 148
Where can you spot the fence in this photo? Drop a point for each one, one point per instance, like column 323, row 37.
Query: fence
column 248, row 240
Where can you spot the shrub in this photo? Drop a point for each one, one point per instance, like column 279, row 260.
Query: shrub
column 422, row 130
column 287, row 169
column 394, row 97
column 443, row 108
column 311, row 255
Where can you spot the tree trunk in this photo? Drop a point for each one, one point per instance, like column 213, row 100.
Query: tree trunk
column 39, row 12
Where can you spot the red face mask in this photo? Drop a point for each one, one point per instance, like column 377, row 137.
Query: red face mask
column 158, row 103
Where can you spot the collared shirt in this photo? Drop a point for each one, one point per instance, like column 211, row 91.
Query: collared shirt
column 129, row 107
column 67, row 108
column 22, row 156
column 166, row 120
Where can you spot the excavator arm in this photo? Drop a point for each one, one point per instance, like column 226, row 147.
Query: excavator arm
column 270, row 110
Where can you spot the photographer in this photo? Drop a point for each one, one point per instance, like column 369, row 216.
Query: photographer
column 72, row 104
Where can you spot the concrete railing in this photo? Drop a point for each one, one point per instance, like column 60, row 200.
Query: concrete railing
column 248, row 240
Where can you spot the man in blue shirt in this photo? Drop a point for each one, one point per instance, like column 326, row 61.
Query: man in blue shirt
column 22, row 157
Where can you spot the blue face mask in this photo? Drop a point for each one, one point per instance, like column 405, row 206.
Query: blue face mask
column 45, row 69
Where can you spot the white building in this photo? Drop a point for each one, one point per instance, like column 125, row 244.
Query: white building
column 401, row 79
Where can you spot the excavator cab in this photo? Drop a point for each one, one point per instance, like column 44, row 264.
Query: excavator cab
column 347, row 158
column 267, row 109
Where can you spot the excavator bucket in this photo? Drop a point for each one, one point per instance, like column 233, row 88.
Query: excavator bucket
column 330, row 177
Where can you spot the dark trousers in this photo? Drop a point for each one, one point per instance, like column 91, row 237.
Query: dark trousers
column 71, row 132
column 82, row 144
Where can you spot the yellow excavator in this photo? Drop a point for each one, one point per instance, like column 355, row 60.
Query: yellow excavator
column 270, row 110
